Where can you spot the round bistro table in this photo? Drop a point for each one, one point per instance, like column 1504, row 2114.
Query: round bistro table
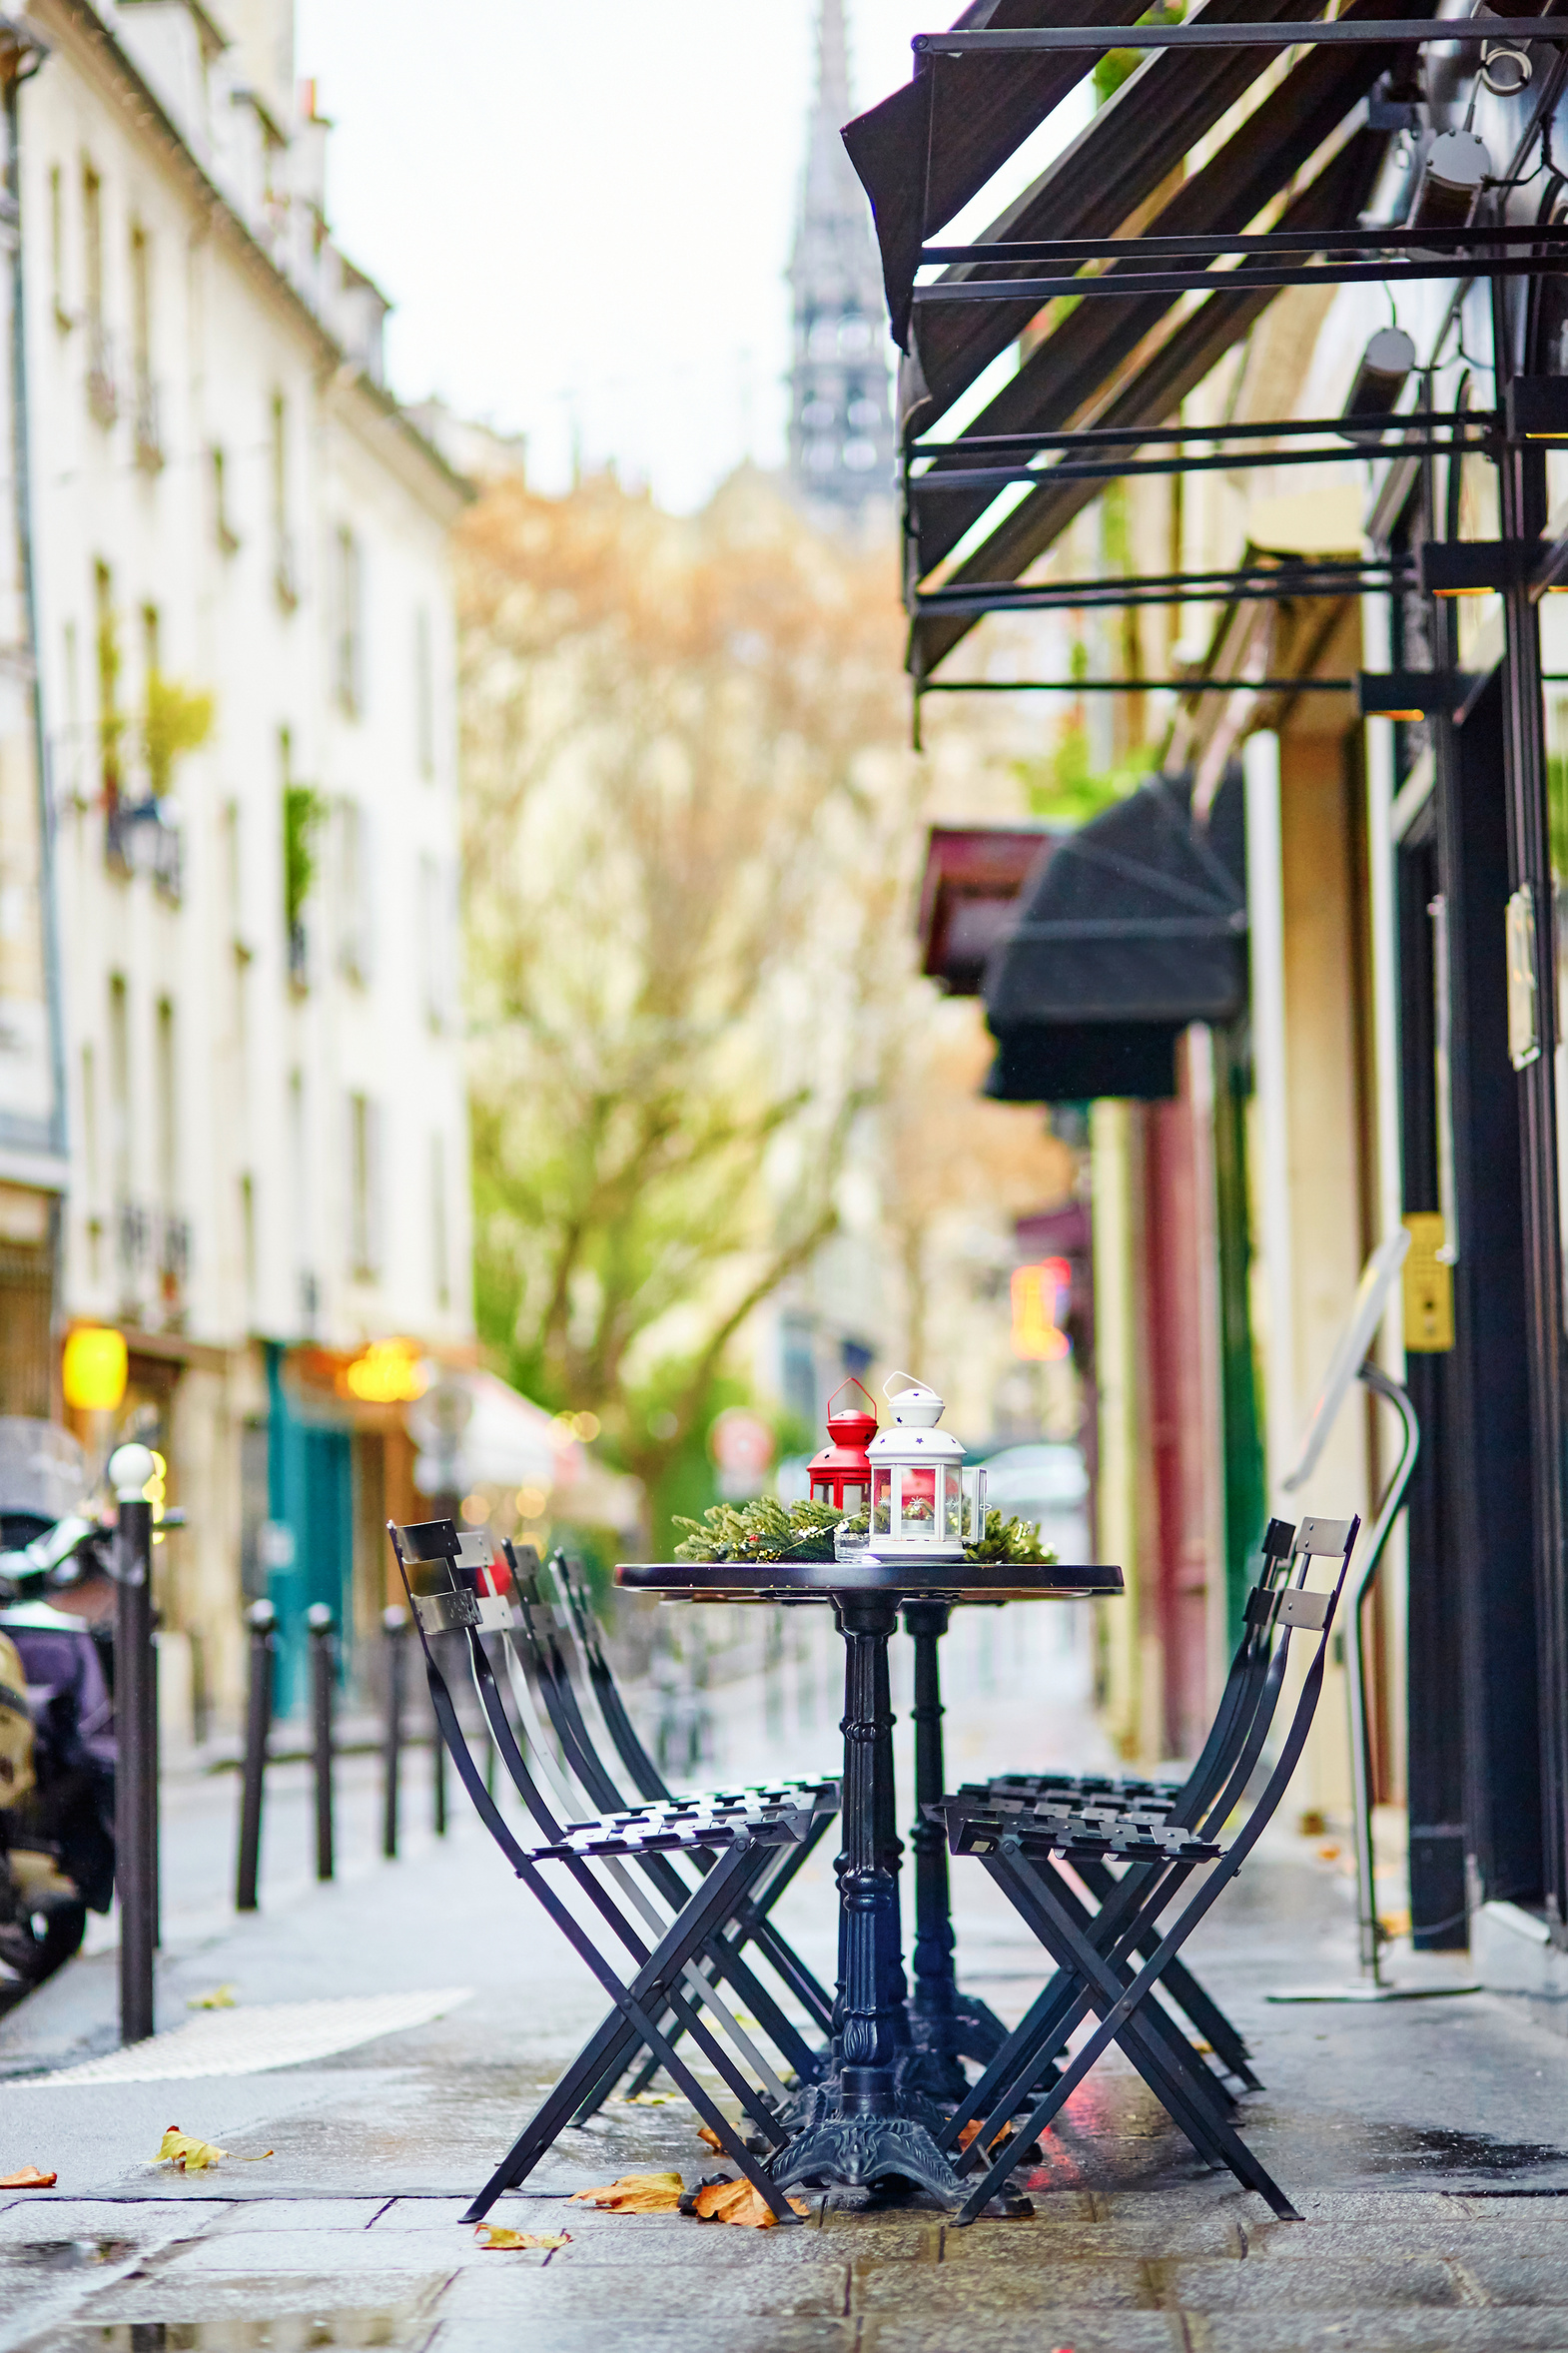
column 873, row 2116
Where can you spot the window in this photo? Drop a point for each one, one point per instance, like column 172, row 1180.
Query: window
column 141, row 302
column 348, row 650
column 224, row 532
column 63, row 318
column 119, row 1088
column 438, row 1249
column 167, row 1098
column 358, row 904
column 110, row 724
column 102, row 399
column 92, row 1168
column 423, row 695
column 144, row 388
column 300, row 1204
column 89, row 1162
column 92, row 245
column 436, row 919
column 248, row 1244
column 364, row 1241
column 285, row 580
column 70, row 749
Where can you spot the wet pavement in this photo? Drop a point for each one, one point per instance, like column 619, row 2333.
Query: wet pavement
column 1427, row 2143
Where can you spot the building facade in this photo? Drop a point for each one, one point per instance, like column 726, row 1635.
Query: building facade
column 246, row 663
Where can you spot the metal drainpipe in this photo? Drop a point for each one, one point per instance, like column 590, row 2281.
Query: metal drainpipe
column 22, row 52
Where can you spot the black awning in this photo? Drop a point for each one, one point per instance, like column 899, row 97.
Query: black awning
column 1168, row 373
column 1135, row 929
column 900, row 152
column 1079, row 1061
column 1109, row 171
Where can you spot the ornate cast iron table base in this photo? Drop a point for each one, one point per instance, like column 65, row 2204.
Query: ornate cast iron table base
column 872, row 2119
column 871, row 2122
column 854, row 2151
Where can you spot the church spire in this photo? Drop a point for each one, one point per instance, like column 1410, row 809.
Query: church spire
column 841, row 435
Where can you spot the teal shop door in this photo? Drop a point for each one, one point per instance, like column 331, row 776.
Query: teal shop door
column 310, row 1491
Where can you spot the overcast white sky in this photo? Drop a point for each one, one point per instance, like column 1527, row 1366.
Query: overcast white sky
column 583, row 211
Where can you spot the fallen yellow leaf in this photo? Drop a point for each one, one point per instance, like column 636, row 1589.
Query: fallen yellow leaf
column 220, row 1998
column 738, row 2202
column 706, row 2132
column 186, row 2153
column 491, row 2235
column 28, row 2178
column 635, row 2193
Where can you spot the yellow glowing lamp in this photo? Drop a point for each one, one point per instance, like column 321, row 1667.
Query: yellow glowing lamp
column 93, row 1369
column 1035, row 1291
column 387, row 1372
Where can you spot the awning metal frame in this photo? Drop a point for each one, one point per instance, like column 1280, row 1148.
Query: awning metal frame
column 1362, row 32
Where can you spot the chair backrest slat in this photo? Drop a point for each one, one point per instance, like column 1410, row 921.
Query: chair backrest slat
column 538, row 1638
column 1243, row 1689
column 647, row 1777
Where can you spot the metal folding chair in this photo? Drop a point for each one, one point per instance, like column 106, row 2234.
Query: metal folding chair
column 566, row 1756
column 1097, row 1969
column 1181, row 1803
column 675, row 1960
column 752, row 1923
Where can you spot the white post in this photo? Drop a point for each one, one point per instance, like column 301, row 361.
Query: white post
column 1271, row 1092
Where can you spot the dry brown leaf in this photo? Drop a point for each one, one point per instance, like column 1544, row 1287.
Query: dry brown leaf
column 705, row 2132
column 971, row 2132
column 493, row 2235
column 635, row 2193
column 738, row 2202
column 28, row 2178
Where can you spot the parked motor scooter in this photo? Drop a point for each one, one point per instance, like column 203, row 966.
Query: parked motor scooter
column 57, row 1744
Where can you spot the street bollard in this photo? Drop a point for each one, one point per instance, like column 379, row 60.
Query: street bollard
column 262, row 1618
column 318, row 1619
column 135, row 1767
column 394, row 1627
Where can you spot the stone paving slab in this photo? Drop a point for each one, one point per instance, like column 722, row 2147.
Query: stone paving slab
column 1375, row 2283
column 1377, row 2332
column 1072, row 2329
column 697, row 2333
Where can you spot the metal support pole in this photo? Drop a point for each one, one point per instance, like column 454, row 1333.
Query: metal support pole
column 438, row 1778
column 136, row 1770
column 323, row 1664
column 1372, row 1984
column 262, row 1618
column 154, row 1780
column 394, row 1631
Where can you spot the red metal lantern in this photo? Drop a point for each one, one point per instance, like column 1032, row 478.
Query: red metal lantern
column 841, row 1473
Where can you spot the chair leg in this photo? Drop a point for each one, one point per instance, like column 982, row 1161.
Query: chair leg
column 1195, row 2097
column 1202, row 2011
column 653, row 1981
column 1117, row 2005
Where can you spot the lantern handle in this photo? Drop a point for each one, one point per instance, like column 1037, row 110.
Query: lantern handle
column 908, row 1382
column 850, row 1384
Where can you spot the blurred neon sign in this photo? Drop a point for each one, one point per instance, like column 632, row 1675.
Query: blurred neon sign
column 1040, row 1294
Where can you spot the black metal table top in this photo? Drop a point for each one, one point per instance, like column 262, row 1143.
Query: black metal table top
column 823, row 1580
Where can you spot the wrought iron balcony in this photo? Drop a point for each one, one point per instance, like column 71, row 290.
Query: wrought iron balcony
column 103, row 390
column 141, row 837
column 148, row 425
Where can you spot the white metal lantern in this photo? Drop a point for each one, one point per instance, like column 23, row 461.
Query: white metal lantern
column 923, row 1504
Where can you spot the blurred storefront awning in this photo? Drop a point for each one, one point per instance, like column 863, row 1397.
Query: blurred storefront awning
column 477, row 1433
column 969, row 894
column 1135, row 929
